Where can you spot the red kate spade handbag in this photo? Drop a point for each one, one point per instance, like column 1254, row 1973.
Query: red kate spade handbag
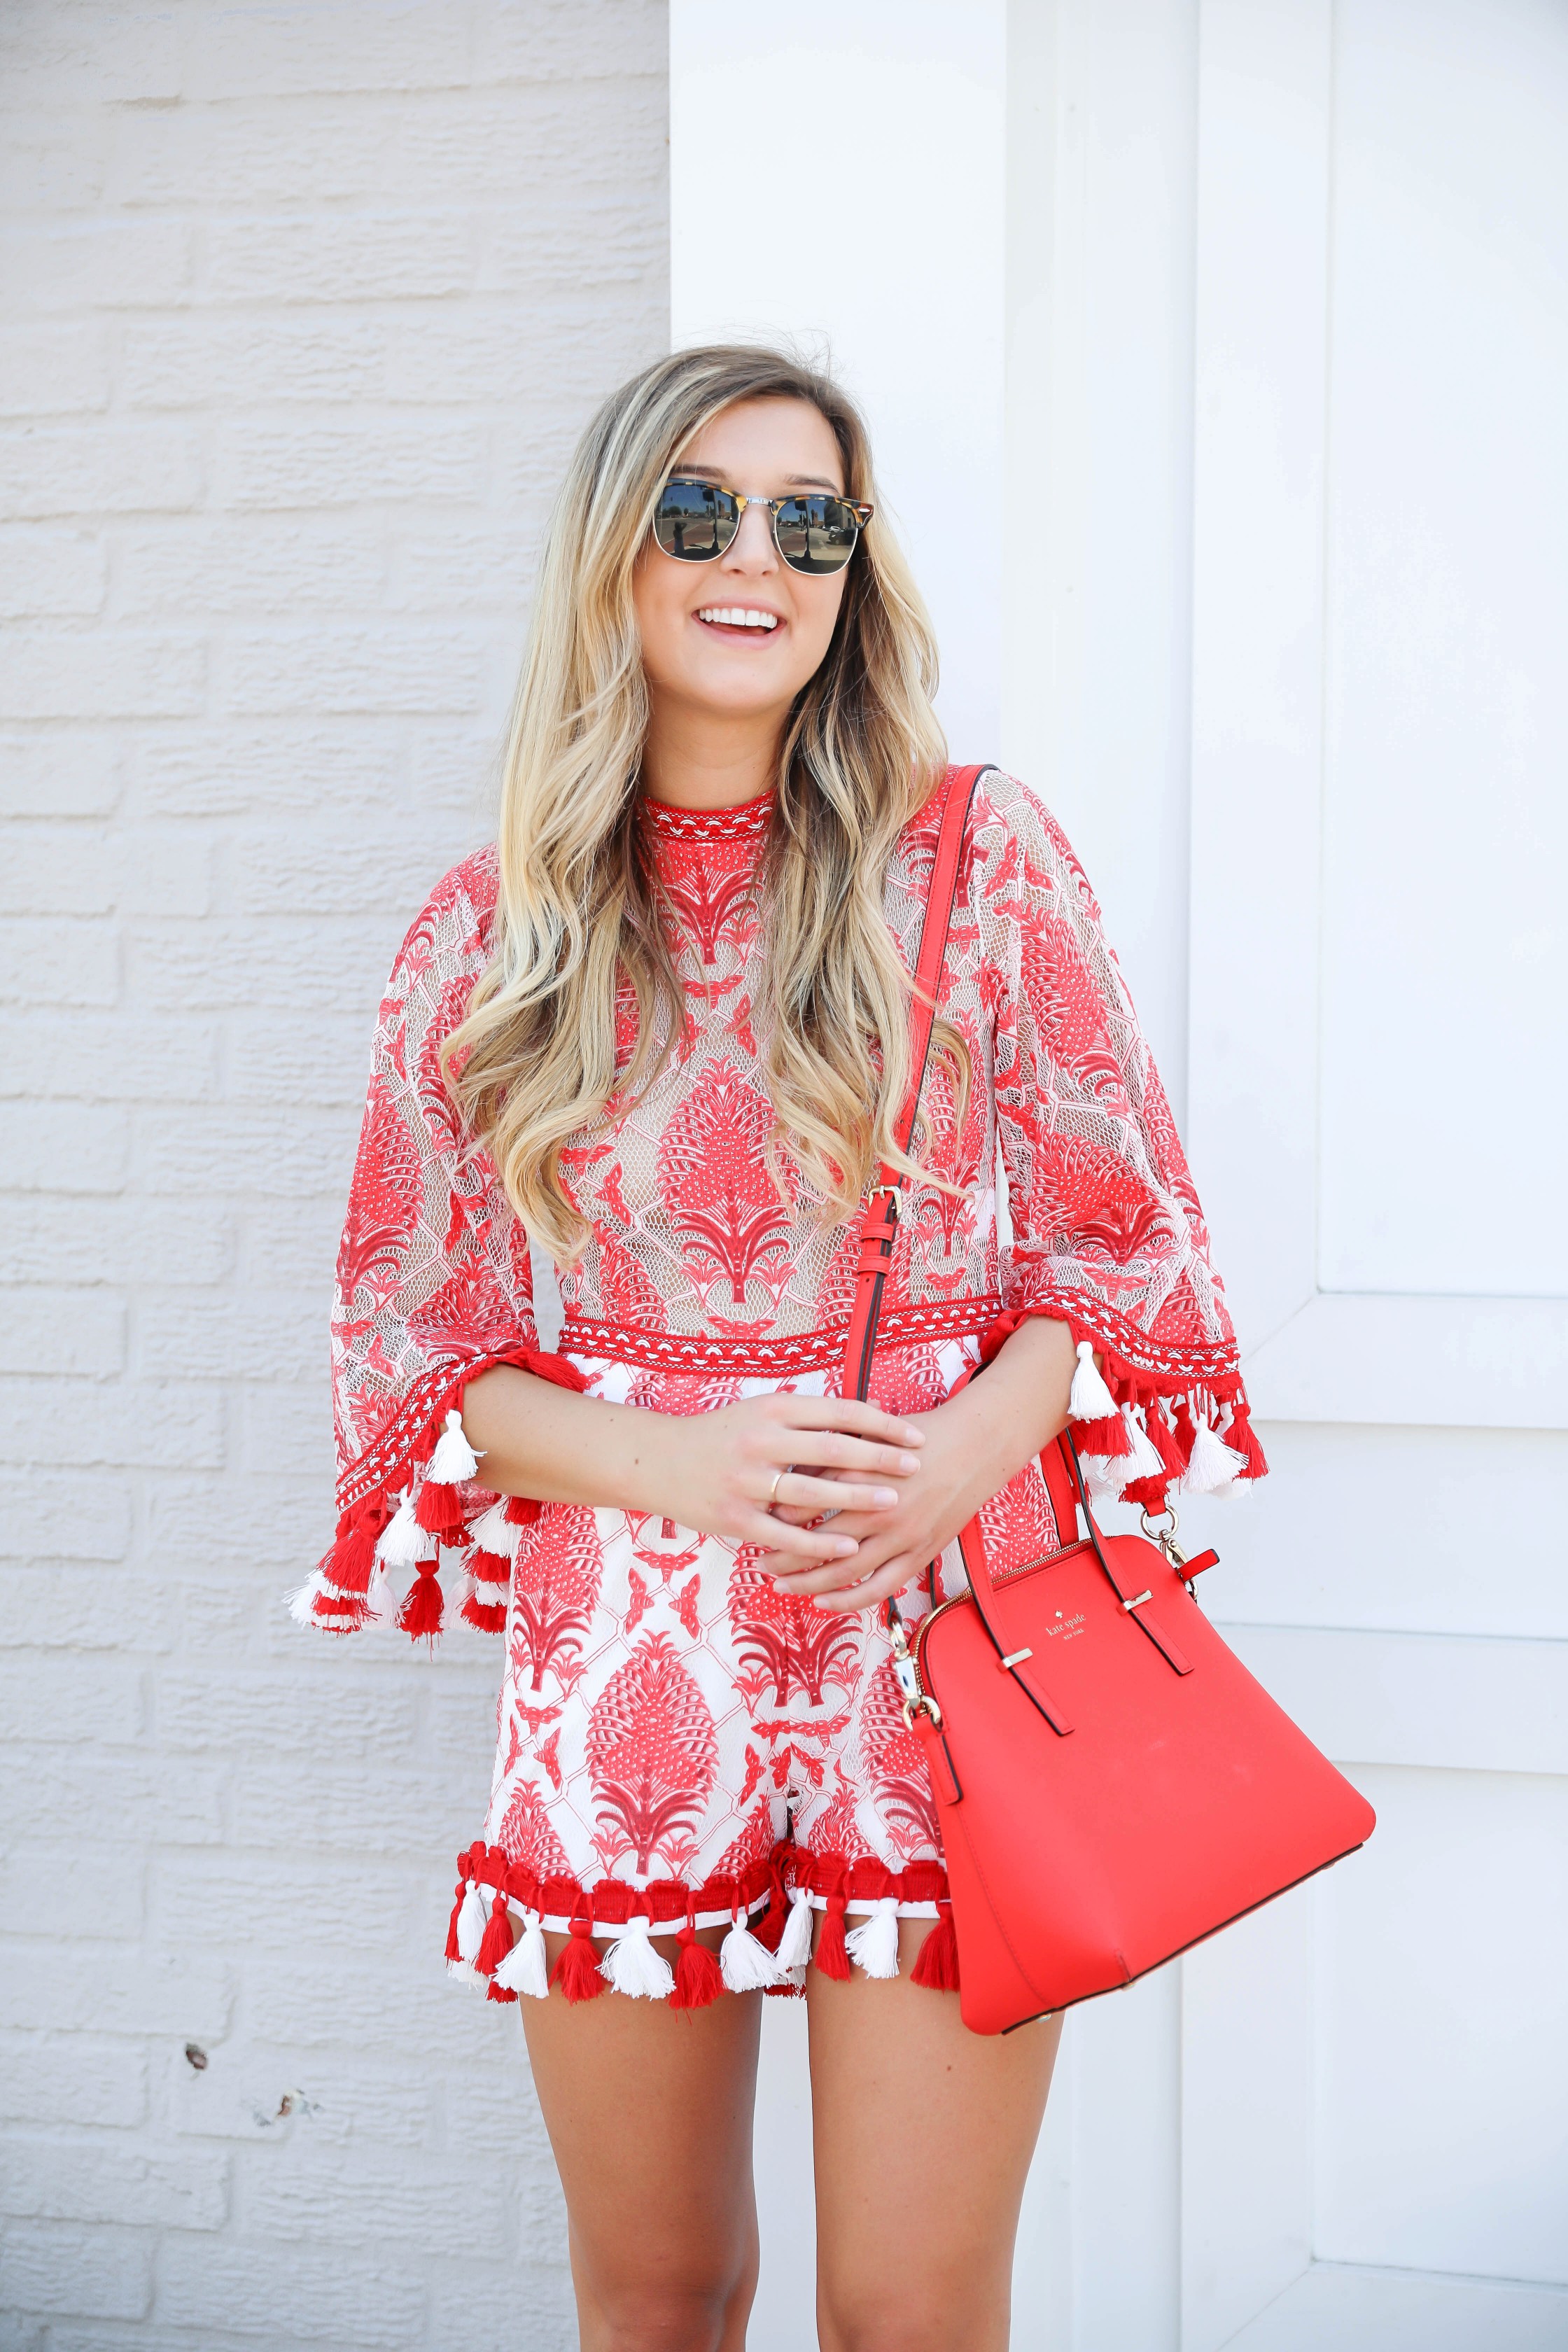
column 1111, row 1783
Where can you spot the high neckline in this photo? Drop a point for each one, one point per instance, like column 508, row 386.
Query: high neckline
column 746, row 822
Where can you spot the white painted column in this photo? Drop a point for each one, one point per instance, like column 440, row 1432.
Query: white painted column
column 878, row 241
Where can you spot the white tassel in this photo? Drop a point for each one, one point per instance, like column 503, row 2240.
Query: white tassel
column 1106, row 1477
column 794, row 1944
column 1142, row 1462
column 493, row 1531
column 454, row 1458
column 875, row 1943
column 1090, row 1398
column 526, row 1966
column 404, row 1542
column 745, row 1964
column 472, row 1921
column 381, row 1603
column 1215, row 1465
column 632, row 1966
column 302, row 1604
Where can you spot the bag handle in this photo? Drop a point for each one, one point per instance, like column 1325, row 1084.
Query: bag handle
column 1063, row 1489
column 1135, row 1604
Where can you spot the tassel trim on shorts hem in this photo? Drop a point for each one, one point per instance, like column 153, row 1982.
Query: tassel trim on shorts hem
column 768, row 1947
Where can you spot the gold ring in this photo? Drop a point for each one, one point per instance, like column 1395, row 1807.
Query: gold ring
column 773, row 1493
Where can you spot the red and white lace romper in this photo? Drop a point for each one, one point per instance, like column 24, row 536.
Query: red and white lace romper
column 678, row 1739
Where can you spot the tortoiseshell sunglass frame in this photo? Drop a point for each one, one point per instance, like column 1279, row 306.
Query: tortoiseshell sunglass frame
column 811, row 568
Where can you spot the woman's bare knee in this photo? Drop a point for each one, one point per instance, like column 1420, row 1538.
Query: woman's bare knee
column 707, row 2315
column 893, row 2323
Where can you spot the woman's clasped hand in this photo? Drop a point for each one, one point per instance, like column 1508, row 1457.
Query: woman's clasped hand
column 762, row 1471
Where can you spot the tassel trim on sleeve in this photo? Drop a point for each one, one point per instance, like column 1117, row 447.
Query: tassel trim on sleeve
column 411, row 1498
column 1148, row 1419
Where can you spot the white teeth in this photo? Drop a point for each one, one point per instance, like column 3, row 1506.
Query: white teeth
column 738, row 616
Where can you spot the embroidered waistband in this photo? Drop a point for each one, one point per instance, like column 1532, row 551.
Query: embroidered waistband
column 751, row 1356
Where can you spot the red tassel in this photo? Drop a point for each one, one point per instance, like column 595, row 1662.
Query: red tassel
column 831, row 1956
column 769, row 1929
column 340, row 1615
column 490, row 1567
column 1242, row 1436
column 1107, row 1439
column 577, row 1970
column 497, row 1941
column 494, row 1992
column 699, row 1979
column 549, row 1366
column 936, row 1962
column 452, row 1951
column 1164, row 1439
column 352, row 1558
column 484, row 1616
column 521, row 1510
column 439, row 1510
column 1148, row 1493
column 420, row 1615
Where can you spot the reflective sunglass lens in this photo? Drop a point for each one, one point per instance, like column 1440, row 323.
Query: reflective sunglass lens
column 694, row 522
column 816, row 534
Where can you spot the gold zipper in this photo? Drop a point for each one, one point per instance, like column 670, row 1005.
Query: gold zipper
column 921, row 1696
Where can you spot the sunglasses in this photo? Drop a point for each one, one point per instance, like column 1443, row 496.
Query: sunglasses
column 814, row 531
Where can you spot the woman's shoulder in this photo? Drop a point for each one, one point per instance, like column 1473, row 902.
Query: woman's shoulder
column 1016, row 839
column 1013, row 812
column 444, row 951
column 452, row 932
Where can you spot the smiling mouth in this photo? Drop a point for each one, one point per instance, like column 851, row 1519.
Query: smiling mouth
column 738, row 620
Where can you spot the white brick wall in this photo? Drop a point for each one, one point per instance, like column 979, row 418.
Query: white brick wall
column 303, row 305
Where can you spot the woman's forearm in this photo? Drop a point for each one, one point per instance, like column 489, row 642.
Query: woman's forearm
column 1012, row 1410
column 558, row 1446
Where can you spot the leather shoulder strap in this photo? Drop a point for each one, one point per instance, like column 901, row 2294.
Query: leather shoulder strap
column 879, row 1230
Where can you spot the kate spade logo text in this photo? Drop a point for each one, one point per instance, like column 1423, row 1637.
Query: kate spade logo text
column 1066, row 1626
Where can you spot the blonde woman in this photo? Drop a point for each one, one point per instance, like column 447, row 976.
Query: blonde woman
column 660, row 1032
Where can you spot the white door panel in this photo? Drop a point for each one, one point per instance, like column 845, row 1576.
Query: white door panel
column 1443, row 2093
column 1246, row 2119
column 1445, row 1118
column 1374, row 1110
column 1418, row 1698
column 1414, row 1530
column 1127, row 2122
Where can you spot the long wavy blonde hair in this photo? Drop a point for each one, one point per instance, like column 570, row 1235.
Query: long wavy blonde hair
column 579, row 906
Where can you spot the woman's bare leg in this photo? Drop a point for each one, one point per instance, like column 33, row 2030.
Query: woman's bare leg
column 923, row 2133
column 649, row 2115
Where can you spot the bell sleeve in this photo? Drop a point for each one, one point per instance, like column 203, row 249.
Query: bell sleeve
column 433, row 1288
column 1107, row 1234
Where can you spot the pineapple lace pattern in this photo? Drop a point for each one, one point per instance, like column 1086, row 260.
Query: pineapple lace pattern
column 680, row 1744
